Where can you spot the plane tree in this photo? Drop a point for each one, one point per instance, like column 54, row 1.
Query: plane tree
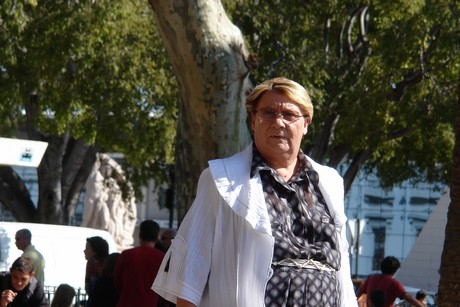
column 450, row 265
column 381, row 75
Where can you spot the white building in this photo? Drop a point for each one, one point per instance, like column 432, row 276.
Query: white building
column 386, row 223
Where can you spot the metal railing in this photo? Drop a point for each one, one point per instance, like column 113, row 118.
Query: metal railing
column 80, row 299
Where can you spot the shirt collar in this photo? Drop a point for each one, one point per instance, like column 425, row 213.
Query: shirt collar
column 259, row 164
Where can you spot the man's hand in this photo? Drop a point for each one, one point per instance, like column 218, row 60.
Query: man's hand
column 184, row 303
column 410, row 299
column 7, row 297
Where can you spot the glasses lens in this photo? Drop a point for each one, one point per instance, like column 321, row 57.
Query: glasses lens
column 267, row 115
column 287, row 117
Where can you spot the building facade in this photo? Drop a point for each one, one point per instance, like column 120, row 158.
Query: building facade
column 383, row 223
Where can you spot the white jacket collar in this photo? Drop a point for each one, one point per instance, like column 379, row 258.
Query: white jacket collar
column 245, row 195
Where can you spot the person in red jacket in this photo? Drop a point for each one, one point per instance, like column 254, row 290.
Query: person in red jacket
column 137, row 268
column 385, row 282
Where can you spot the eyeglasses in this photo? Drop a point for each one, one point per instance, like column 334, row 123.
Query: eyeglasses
column 287, row 117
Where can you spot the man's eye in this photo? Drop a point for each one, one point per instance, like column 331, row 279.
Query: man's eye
column 268, row 115
column 289, row 115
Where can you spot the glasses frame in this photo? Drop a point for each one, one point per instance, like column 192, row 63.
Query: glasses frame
column 269, row 116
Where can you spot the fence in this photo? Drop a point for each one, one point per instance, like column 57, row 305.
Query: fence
column 79, row 300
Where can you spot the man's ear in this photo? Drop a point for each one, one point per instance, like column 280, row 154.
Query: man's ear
column 305, row 127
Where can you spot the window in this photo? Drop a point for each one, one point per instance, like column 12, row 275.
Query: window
column 377, row 200
column 420, row 201
column 379, row 247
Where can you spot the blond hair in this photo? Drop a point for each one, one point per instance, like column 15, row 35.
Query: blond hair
column 293, row 90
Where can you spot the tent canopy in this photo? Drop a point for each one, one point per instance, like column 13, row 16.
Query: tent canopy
column 420, row 269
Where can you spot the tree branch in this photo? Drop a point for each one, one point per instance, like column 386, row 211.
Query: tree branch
column 353, row 169
column 417, row 75
column 15, row 195
column 338, row 154
column 324, row 139
column 78, row 183
column 72, row 161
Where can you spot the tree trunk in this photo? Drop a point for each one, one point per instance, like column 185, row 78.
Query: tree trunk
column 449, row 284
column 209, row 58
column 78, row 183
column 62, row 176
column 50, row 205
column 15, row 195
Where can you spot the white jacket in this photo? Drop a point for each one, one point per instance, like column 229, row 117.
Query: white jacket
column 222, row 253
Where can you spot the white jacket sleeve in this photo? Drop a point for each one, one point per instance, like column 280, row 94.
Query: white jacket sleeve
column 186, row 266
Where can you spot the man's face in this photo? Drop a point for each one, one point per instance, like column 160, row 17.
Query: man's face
column 276, row 139
column 20, row 280
column 21, row 241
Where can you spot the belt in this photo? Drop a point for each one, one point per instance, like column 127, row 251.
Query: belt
column 304, row 264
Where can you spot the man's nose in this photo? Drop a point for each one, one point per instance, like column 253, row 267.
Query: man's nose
column 279, row 120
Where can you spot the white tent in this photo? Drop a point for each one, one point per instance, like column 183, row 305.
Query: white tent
column 420, row 269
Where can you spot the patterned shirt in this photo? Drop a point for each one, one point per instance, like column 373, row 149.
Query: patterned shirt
column 303, row 229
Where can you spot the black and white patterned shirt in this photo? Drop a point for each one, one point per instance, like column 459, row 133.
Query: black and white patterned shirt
column 303, row 229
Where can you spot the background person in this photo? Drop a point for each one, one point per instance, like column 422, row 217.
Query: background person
column 96, row 250
column 385, row 282
column 63, row 296
column 166, row 237
column 23, row 239
column 269, row 211
column 104, row 293
column 421, row 297
column 20, row 288
column 137, row 267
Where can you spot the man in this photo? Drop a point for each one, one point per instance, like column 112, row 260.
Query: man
column 385, row 282
column 20, row 287
column 267, row 225
column 23, row 242
column 421, row 297
column 137, row 268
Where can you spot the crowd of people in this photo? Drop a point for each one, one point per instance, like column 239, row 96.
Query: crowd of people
column 111, row 280
column 125, row 279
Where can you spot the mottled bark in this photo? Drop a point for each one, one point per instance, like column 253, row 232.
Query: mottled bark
column 449, row 284
column 209, row 59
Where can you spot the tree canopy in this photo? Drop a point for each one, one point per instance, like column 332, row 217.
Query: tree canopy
column 91, row 76
column 86, row 76
column 382, row 76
